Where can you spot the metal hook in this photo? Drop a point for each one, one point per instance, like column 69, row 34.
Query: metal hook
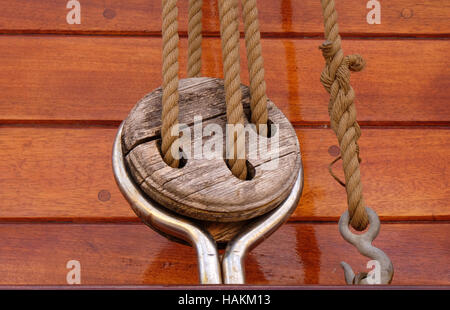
column 364, row 245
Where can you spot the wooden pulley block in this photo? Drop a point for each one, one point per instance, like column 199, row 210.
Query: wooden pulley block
column 203, row 188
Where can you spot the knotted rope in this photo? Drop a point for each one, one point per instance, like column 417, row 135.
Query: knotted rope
column 336, row 80
column 229, row 30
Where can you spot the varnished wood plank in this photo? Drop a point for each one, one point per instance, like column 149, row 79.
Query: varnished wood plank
column 288, row 17
column 58, row 173
column 404, row 172
column 100, row 79
column 296, row 254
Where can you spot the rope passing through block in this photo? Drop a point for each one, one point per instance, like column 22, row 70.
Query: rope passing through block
column 228, row 11
column 204, row 188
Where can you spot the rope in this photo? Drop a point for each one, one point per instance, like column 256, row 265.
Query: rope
column 255, row 61
column 195, row 38
column 336, row 80
column 170, row 95
column 229, row 32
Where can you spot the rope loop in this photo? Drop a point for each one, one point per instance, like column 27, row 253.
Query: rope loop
column 229, row 30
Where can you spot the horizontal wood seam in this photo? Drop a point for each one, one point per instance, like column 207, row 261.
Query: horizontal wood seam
column 224, row 287
column 137, row 221
column 297, row 125
column 271, row 35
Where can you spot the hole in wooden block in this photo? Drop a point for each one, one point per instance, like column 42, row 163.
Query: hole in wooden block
column 250, row 170
column 271, row 129
column 181, row 154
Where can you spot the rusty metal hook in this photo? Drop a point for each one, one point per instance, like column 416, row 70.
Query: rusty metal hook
column 364, row 245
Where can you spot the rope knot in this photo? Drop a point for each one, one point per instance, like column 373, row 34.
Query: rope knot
column 326, row 78
column 355, row 62
column 327, row 49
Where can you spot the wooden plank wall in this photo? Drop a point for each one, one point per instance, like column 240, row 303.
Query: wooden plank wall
column 65, row 89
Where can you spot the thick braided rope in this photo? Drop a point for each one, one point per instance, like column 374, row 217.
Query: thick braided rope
column 255, row 61
column 336, row 80
column 195, row 38
column 229, row 31
column 170, row 80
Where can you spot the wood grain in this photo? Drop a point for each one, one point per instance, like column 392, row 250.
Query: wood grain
column 73, row 78
column 277, row 17
column 205, row 189
column 57, row 173
column 118, row 254
column 63, row 97
column 401, row 174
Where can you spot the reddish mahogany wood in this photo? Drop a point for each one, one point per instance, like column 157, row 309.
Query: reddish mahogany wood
column 59, row 168
column 59, row 173
column 97, row 78
column 403, row 171
column 297, row 254
column 277, row 17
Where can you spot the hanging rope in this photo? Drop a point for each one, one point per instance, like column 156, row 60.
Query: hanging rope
column 195, row 38
column 170, row 95
column 255, row 61
column 229, row 32
column 336, row 80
